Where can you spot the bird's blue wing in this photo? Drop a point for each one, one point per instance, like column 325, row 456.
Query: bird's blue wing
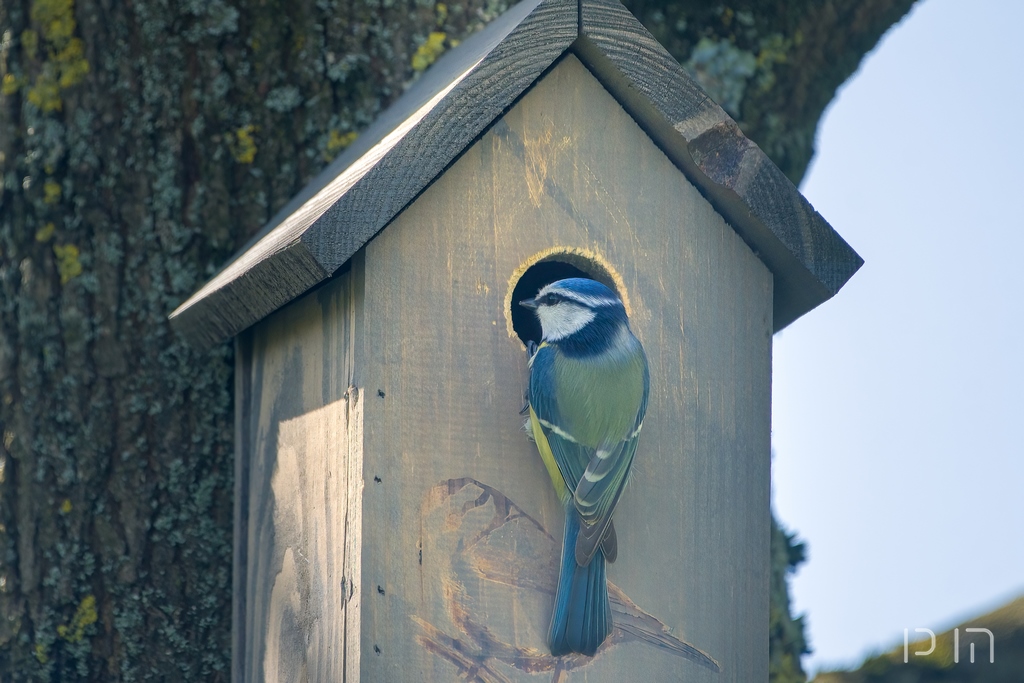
column 596, row 477
column 602, row 482
column 595, row 502
column 571, row 457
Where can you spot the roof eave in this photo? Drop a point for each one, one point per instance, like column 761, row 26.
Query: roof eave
column 343, row 208
column 474, row 81
column 809, row 260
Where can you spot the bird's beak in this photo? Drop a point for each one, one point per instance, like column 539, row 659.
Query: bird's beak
column 529, row 303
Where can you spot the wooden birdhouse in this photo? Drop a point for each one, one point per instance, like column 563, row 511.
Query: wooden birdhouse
column 393, row 521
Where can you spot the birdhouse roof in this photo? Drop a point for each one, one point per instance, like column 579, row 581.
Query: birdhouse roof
column 455, row 101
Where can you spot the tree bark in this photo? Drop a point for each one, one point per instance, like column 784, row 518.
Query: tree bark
column 141, row 143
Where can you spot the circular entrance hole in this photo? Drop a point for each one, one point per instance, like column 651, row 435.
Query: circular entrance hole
column 543, row 269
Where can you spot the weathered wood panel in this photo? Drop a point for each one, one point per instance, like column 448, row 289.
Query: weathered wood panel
column 459, row 521
column 299, row 492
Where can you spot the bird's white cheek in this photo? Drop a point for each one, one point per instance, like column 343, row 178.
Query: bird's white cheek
column 558, row 322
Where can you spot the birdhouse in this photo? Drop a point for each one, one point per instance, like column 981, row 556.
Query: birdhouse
column 393, row 521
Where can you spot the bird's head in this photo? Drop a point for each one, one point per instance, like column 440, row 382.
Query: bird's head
column 577, row 308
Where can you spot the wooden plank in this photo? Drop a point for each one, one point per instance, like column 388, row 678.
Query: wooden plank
column 809, row 259
column 461, row 528
column 297, row 549
column 357, row 195
column 243, row 448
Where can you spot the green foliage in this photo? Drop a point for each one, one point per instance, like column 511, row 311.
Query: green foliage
column 786, row 639
column 940, row 665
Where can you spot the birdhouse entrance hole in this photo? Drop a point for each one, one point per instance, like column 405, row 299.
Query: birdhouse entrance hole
column 550, row 266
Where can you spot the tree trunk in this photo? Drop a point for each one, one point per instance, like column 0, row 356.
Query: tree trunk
column 141, row 143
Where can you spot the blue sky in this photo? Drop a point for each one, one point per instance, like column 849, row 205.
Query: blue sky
column 899, row 405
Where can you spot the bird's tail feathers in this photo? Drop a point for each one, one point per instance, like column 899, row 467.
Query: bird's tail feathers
column 582, row 617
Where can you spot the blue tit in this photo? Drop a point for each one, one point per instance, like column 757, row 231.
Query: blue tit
column 589, row 384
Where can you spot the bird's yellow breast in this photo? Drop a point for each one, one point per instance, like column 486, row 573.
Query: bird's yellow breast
column 549, row 459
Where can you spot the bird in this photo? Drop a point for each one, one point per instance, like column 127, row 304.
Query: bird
column 494, row 567
column 587, row 396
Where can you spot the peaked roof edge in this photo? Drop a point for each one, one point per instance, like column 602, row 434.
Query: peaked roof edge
column 809, row 260
column 412, row 142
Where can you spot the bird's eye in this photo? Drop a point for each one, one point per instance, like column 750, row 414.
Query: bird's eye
column 551, row 299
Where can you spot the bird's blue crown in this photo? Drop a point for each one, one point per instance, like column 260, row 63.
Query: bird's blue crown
column 601, row 332
column 586, row 287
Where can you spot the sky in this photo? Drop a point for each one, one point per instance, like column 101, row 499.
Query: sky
column 899, row 405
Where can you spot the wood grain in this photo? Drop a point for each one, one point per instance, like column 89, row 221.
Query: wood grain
column 299, row 493
column 465, row 579
column 243, row 456
column 396, row 523
column 455, row 102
